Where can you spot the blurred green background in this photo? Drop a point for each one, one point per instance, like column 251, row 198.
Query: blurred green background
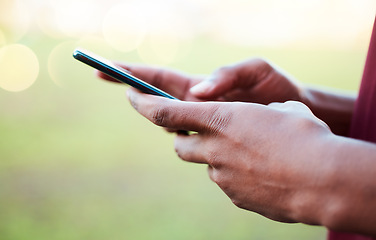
column 77, row 162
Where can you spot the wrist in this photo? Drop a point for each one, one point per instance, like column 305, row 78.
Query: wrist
column 342, row 198
column 312, row 203
column 333, row 108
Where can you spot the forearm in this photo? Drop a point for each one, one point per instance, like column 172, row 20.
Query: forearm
column 346, row 197
column 335, row 109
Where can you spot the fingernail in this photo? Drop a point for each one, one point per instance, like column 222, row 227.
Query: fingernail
column 202, row 87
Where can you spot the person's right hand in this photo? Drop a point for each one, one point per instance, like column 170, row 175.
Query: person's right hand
column 254, row 80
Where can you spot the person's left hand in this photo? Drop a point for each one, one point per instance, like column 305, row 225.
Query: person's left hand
column 267, row 159
column 171, row 81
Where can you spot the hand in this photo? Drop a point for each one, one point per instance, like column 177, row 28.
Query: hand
column 256, row 81
column 173, row 82
column 253, row 80
column 267, row 159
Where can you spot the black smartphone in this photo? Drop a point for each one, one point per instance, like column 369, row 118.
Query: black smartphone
column 120, row 74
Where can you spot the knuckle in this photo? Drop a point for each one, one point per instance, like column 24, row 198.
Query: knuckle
column 305, row 123
column 290, row 102
column 264, row 67
column 215, row 176
column 181, row 155
column 211, row 171
column 238, row 203
column 225, row 73
column 178, row 149
column 288, row 105
column 213, row 159
column 262, row 62
column 219, row 119
column 224, row 70
column 294, row 104
column 274, row 104
column 160, row 115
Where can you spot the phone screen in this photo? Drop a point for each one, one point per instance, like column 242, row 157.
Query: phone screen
column 120, row 74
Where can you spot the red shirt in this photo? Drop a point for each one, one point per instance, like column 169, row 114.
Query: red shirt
column 363, row 125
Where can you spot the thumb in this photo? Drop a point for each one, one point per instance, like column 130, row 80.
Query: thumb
column 239, row 75
column 215, row 85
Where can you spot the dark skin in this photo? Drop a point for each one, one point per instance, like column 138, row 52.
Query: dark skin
column 269, row 142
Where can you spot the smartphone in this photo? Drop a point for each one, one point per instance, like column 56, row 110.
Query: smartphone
column 120, row 74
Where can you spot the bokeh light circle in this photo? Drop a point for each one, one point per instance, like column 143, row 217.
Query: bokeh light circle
column 46, row 20
column 67, row 72
column 62, row 67
column 69, row 18
column 15, row 19
column 123, row 26
column 19, row 67
column 159, row 48
column 96, row 45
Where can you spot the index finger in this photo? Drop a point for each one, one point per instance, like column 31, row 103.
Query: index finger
column 170, row 81
column 200, row 117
